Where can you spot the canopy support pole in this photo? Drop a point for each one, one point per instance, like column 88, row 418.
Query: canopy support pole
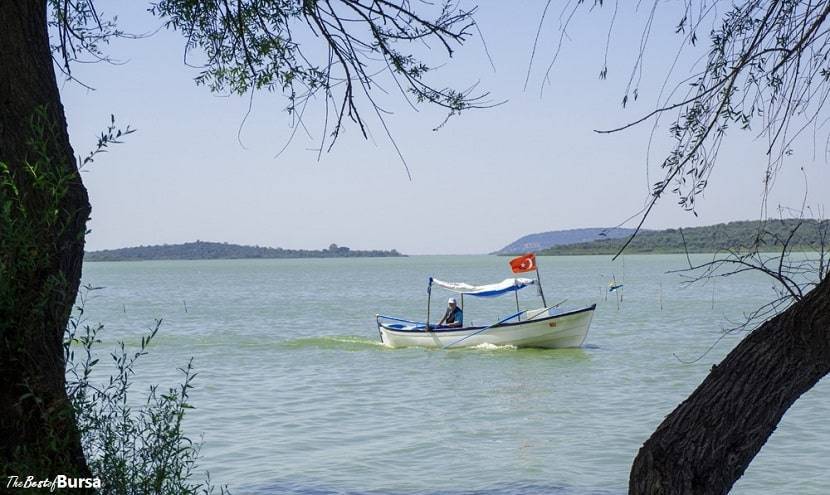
column 541, row 292
column 429, row 299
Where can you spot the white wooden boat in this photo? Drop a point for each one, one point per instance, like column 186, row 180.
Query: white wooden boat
column 547, row 327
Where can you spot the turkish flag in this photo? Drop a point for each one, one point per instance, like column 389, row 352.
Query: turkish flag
column 525, row 263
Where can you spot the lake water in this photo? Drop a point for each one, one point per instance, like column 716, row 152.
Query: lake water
column 296, row 396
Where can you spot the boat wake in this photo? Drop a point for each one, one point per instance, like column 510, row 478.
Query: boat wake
column 334, row 342
column 493, row 347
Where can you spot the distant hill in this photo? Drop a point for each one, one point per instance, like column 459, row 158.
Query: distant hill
column 201, row 250
column 708, row 239
column 534, row 243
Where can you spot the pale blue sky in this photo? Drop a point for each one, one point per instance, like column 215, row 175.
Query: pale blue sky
column 486, row 178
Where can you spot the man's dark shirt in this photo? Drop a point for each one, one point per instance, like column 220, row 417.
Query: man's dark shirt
column 453, row 316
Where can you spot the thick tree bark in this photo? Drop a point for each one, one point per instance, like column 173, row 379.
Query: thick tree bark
column 708, row 441
column 37, row 428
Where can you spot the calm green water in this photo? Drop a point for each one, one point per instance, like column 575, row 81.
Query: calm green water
column 296, row 396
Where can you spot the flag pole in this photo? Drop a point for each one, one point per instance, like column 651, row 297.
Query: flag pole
column 516, row 293
column 541, row 292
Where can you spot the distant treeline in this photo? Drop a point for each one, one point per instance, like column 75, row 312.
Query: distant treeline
column 709, row 239
column 201, row 250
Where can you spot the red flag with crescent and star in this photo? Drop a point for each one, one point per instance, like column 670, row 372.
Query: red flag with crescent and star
column 525, row 263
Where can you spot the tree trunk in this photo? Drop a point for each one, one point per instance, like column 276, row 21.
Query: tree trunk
column 707, row 442
column 40, row 267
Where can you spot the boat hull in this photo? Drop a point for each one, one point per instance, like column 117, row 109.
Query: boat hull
column 545, row 330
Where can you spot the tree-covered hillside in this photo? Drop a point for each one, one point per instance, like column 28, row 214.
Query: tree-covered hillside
column 543, row 240
column 708, row 239
column 201, row 250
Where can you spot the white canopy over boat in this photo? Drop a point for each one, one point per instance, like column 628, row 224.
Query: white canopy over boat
column 490, row 290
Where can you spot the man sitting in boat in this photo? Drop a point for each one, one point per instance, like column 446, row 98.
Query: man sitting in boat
column 454, row 317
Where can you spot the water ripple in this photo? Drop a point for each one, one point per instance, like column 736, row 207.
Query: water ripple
column 296, row 395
